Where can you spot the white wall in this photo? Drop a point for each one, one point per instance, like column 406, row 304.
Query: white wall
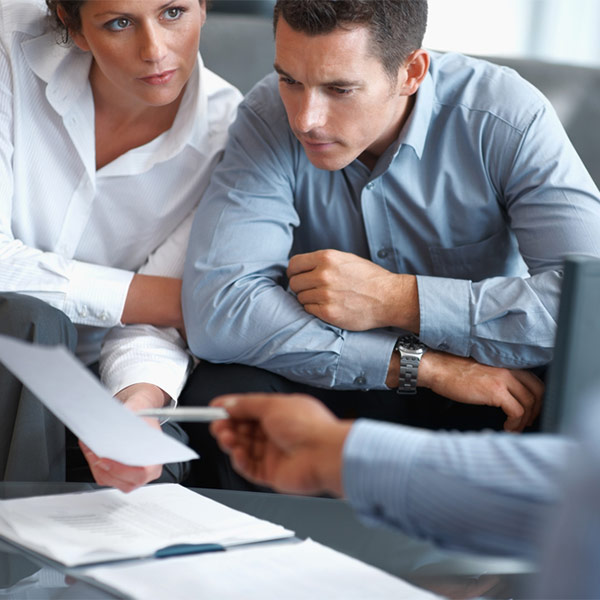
column 556, row 30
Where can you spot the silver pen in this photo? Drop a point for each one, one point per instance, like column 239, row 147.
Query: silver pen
column 186, row 413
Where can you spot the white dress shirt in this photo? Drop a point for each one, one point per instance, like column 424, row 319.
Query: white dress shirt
column 74, row 236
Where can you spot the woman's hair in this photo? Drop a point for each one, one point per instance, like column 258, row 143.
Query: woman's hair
column 72, row 17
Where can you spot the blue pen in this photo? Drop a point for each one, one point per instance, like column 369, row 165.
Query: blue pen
column 181, row 549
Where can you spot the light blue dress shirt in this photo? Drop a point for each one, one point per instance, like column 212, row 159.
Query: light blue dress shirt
column 479, row 492
column 482, row 197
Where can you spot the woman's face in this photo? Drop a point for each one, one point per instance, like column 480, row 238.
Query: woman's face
column 144, row 50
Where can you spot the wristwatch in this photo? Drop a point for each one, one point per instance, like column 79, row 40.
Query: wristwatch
column 411, row 351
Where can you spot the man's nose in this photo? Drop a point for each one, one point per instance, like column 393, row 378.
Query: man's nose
column 311, row 114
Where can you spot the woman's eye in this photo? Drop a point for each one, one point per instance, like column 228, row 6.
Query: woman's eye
column 118, row 24
column 173, row 13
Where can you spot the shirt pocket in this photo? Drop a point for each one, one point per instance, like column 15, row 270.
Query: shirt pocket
column 494, row 256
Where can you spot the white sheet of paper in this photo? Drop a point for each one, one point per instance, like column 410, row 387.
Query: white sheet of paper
column 295, row 571
column 78, row 399
column 103, row 525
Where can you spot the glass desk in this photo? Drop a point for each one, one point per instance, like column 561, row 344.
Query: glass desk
column 330, row 522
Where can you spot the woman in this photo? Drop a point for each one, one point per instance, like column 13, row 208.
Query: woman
column 109, row 129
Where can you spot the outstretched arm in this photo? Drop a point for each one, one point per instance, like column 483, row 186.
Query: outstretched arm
column 486, row 492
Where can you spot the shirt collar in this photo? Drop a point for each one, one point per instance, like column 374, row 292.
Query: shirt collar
column 64, row 69
column 415, row 129
column 189, row 127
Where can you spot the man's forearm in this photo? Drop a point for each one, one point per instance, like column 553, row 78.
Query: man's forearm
column 401, row 303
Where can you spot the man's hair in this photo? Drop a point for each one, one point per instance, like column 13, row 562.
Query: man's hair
column 397, row 27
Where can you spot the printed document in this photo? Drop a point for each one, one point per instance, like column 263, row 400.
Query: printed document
column 103, row 525
column 80, row 401
column 294, row 571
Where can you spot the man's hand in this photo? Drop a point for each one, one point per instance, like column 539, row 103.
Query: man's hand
column 517, row 392
column 125, row 477
column 353, row 293
column 291, row 443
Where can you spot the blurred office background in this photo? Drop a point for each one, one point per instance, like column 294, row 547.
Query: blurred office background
column 564, row 31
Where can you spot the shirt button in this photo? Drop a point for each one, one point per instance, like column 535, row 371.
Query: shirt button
column 370, row 185
column 360, row 380
column 383, row 253
column 83, row 312
column 443, row 346
column 103, row 316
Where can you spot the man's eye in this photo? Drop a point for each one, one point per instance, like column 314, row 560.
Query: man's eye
column 287, row 80
column 341, row 91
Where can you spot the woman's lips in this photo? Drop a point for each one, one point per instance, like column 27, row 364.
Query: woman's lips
column 159, row 78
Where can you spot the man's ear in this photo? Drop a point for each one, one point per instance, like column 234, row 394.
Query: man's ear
column 77, row 37
column 415, row 67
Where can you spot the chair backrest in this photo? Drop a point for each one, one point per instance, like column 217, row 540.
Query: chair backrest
column 239, row 48
column 575, row 368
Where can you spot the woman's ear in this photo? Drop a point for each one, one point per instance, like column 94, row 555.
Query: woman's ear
column 203, row 12
column 77, row 37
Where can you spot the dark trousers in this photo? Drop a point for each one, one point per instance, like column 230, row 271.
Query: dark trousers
column 32, row 439
column 425, row 409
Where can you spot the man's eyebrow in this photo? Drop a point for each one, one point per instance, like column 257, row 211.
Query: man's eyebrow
column 341, row 83
column 281, row 71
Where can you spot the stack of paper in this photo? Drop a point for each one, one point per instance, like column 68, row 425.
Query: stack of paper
column 294, row 571
column 103, row 525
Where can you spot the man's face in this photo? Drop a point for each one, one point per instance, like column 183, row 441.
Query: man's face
column 340, row 102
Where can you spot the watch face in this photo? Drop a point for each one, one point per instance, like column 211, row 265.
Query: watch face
column 410, row 342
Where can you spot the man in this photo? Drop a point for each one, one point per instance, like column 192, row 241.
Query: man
column 484, row 492
column 530, row 496
column 416, row 194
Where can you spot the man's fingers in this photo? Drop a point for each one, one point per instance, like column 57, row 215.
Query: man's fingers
column 536, row 387
column 301, row 263
column 516, row 413
column 246, row 406
column 304, row 282
column 527, row 390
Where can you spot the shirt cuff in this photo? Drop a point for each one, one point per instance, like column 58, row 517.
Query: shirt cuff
column 444, row 305
column 97, row 294
column 365, row 359
column 377, row 462
column 168, row 377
